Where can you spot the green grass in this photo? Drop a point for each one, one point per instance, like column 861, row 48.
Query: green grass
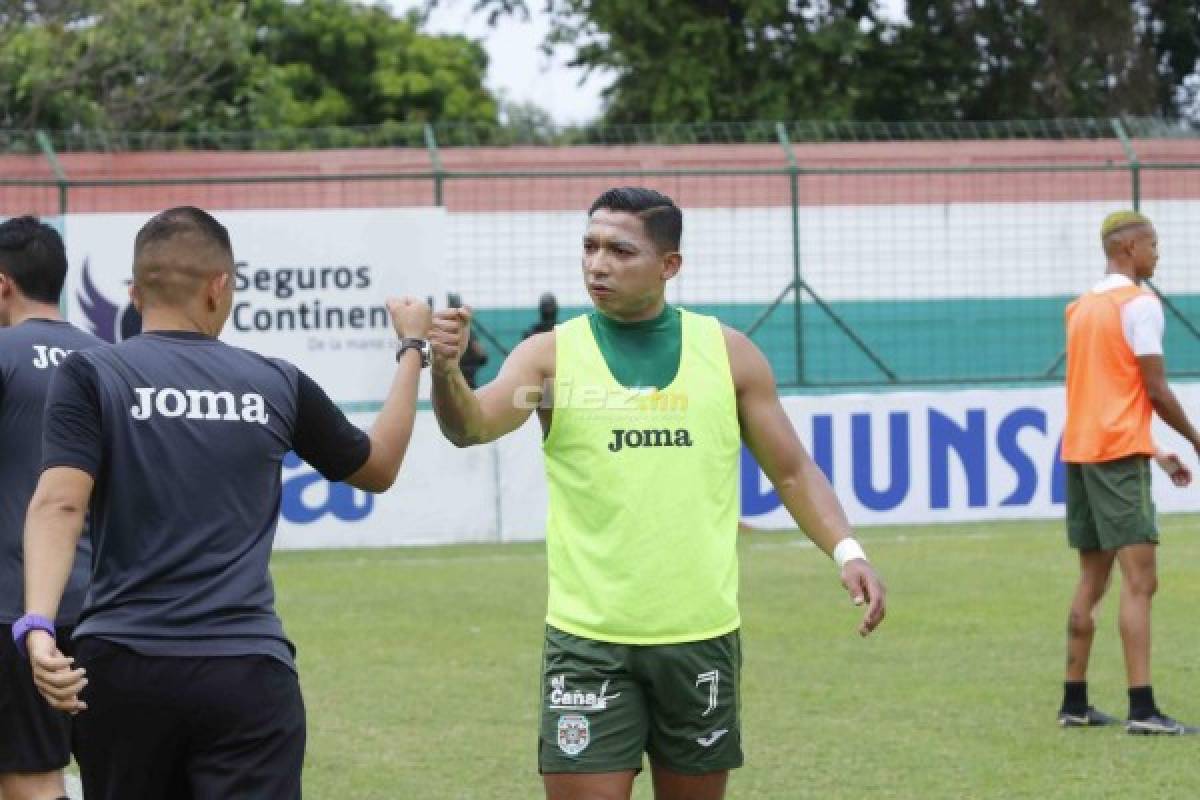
column 419, row 668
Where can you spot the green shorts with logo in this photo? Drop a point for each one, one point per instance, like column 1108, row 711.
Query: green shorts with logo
column 1109, row 504
column 605, row 704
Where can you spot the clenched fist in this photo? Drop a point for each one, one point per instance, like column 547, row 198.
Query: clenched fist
column 411, row 317
column 449, row 335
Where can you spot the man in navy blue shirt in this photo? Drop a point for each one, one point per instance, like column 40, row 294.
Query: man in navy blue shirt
column 34, row 738
column 185, row 684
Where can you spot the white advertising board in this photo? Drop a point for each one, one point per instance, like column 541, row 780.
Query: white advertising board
column 921, row 457
column 895, row 458
column 310, row 285
column 443, row 495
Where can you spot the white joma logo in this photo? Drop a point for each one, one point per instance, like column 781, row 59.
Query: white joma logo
column 45, row 356
column 199, row 404
column 711, row 739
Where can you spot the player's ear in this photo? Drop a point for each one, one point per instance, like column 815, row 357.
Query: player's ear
column 217, row 286
column 671, row 264
column 1130, row 244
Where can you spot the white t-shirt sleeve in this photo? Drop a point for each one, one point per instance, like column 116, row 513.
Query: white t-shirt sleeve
column 1143, row 323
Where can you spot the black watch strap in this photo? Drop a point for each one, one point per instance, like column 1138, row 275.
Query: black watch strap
column 420, row 345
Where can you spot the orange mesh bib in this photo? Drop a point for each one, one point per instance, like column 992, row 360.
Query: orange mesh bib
column 1108, row 408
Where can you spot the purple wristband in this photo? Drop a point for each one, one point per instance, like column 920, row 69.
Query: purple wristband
column 27, row 623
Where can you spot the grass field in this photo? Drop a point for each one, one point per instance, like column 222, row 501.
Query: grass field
column 419, row 668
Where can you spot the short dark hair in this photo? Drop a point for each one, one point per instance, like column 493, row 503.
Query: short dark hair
column 182, row 219
column 33, row 256
column 660, row 215
column 176, row 252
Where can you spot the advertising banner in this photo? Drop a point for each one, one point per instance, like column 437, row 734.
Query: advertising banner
column 894, row 459
column 921, row 457
column 310, row 285
column 443, row 495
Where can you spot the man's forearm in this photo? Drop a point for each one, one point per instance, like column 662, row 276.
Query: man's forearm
column 1168, row 408
column 812, row 503
column 51, row 535
column 393, row 427
column 456, row 407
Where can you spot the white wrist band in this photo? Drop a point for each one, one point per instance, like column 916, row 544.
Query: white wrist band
column 847, row 550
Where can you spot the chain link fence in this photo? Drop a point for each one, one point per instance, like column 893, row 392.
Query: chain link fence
column 853, row 254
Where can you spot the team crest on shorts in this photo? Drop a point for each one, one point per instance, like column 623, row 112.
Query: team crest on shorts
column 573, row 734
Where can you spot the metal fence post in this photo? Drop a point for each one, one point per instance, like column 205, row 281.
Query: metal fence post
column 798, row 297
column 1135, row 165
column 435, row 159
column 59, row 176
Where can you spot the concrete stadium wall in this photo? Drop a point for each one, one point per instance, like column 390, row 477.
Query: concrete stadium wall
column 408, row 183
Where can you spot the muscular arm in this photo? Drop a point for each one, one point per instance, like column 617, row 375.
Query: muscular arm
column 767, row 431
column 53, row 525
column 1166, row 404
column 469, row 417
column 803, row 488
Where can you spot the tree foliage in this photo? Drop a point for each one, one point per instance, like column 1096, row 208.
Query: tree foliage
column 719, row 59
column 332, row 62
column 209, row 65
column 697, row 60
column 128, row 63
column 192, row 65
column 1008, row 59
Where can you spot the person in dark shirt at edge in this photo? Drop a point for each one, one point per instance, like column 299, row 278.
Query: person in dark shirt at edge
column 183, row 680
column 35, row 740
column 547, row 316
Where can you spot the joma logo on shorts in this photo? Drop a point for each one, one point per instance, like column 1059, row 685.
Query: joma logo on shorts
column 203, row 404
column 662, row 437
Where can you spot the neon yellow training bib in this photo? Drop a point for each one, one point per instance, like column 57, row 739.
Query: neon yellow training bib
column 641, row 539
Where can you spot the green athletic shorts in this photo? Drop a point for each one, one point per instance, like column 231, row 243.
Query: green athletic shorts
column 605, row 704
column 1109, row 504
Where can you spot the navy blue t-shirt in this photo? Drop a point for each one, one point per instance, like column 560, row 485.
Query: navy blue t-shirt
column 185, row 437
column 29, row 355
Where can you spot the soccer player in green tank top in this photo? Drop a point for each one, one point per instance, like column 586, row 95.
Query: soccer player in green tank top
column 643, row 408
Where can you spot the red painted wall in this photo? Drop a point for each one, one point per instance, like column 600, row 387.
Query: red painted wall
column 573, row 192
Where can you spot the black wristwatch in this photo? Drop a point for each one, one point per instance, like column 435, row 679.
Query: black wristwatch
column 420, row 345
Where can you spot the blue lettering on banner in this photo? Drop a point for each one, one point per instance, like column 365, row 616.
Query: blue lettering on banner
column 755, row 501
column 1058, row 476
column 341, row 500
column 822, row 453
column 968, row 441
column 1015, row 457
column 860, row 447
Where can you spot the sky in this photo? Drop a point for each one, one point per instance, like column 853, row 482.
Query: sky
column 519, row 69
column 516, row 64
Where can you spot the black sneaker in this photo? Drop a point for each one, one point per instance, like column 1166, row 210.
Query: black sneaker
column 1160, row 724
column 1092, row 718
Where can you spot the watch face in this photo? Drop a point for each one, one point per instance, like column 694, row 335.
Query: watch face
column 420, row 345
